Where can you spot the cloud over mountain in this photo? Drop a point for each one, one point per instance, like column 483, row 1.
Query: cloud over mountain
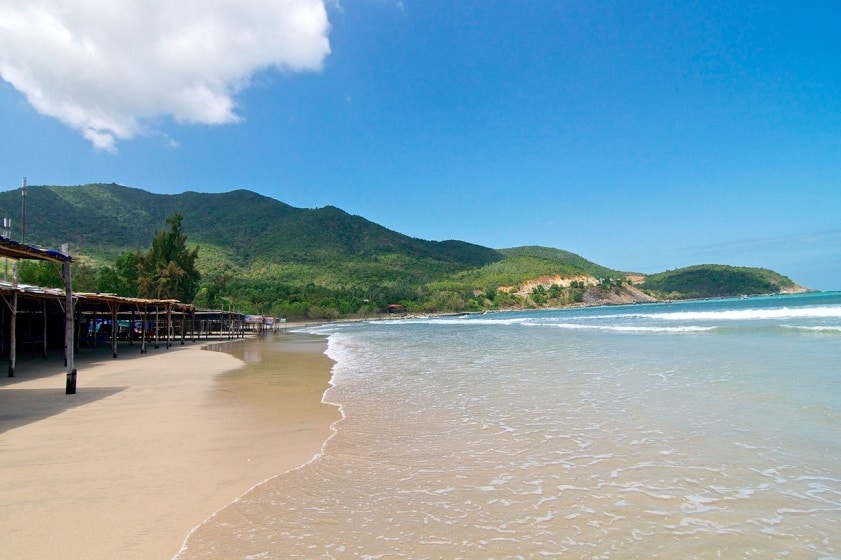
column 108, row 68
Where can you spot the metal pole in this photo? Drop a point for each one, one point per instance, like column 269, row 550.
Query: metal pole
column 23, row 212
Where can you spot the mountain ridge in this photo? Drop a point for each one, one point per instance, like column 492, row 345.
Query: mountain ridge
column 268, row 255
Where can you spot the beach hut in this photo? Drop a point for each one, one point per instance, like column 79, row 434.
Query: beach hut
column 29, row 316
column 11, row 292
column 108, row 318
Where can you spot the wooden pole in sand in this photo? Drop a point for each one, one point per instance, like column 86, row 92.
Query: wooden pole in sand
column 70, row 388
column 169, row 336
column 157, row 327
column 113, row 329
column 13, row 308
column 143, row 329
column 13, row 333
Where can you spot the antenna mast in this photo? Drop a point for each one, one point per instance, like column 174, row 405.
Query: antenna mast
column 23, row 212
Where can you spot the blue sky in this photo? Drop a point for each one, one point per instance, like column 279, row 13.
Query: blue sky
column 643, row 136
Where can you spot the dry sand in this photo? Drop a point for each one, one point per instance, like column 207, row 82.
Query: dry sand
column 151, row 445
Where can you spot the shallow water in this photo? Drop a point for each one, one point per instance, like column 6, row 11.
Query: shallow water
column 699, row 429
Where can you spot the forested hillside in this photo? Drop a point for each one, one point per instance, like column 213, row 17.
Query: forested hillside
column 239, row 231
column 263, row 256
column 704, row 281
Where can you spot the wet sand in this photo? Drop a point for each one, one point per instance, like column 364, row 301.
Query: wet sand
column 151, row 446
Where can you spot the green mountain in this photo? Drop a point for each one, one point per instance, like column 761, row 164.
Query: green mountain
column 239, row 232
column 523, row 264
column 265, row 256
column 570, row 263
column 717, row 281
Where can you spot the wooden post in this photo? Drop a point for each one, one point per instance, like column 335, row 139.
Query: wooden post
column 183, row 326
column 70, row 388
column 13, row 308
column 143, row 330
column 157, row 327
column 168, row 325
column 61, row 306
column 113, row 329
column 12, row 331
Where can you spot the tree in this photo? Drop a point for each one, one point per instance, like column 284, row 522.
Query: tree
column 168, row 269
column 210, row 295
column 121, row 279
column 48, row 275
column 538, row 294
column 37, row 273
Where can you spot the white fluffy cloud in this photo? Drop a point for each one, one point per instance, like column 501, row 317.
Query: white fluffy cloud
column 105, row 67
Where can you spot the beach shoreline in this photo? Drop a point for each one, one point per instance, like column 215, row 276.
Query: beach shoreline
column 151, row 446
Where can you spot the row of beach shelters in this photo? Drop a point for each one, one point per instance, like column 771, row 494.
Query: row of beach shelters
column 262, row 324
column 36, row 320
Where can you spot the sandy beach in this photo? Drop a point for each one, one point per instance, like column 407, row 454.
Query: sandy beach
column 151, row 445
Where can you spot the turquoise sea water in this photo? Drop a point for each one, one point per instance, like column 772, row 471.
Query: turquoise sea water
column 707, row 429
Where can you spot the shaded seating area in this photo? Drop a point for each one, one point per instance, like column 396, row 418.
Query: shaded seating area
column 36, row 320
column 107, row 319
column 11, row 295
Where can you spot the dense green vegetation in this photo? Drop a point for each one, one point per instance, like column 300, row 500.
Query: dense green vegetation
column 258, row 255
column 495, row 285
column 168, row 269
column 716, row 281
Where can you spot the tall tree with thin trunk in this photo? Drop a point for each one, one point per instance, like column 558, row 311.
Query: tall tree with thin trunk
column 168, row 269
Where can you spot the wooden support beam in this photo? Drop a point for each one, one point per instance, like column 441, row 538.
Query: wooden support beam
column 143, row 330
column 13, row 331
column 168, row 325
column 70, row 386
column 114, row 329
column 157, row 327
column 183, row 326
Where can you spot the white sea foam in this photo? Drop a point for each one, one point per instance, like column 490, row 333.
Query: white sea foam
column 461, row 321
column 631, row 328
column 829, row 329
column 780, row 313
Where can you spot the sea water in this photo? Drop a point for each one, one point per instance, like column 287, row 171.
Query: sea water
column 704, row 429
